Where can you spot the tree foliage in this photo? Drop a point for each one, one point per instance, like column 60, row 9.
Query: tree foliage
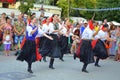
column 109, row 15
column 77, row 4
column 91, row 4
column 26, row 5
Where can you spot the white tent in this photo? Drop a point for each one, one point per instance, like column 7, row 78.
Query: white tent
column 116, row 23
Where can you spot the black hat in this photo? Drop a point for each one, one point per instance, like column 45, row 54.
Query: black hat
column 105, row 25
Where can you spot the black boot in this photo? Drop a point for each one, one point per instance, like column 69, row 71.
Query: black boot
column 29, row 68
column 96, row 62
column 84, row 68
column 61, row 58
column 44, row 59
column 51, row 64
column 16, row 53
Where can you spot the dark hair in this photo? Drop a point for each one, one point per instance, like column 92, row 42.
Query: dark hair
column 77, row 32
column 7, row 18
column 46, row 17
column 54, row 15
column 105, row 25
column 77, row 24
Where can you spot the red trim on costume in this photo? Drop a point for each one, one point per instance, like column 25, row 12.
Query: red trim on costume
column 44, row 21
column 91, row 26
column 23, row 42
column 78, row 50
column 51, row 19
column 38, row 55
column 102, row 28
column 93, row 43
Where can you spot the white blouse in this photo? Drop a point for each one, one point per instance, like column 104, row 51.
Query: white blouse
column 87, row 33
column 6, row 40
column 51, row 28
column 29, row 30
column 45, row 28
column 101, row 35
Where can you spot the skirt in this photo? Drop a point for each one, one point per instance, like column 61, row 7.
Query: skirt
column 44, row 46
column 85, row 52
column 63, row 42
column 100, row 50
column 28, row 52
column 54, row 47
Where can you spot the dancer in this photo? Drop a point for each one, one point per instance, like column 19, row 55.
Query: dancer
column 64, row 38
column 104, row 37
column 84, row 51
column 54, row 44
column 28, row 52
column 45, row 42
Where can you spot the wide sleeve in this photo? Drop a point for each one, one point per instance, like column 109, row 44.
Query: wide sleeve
column 85, row 34
column 51, row 29
column 29, row 30
column 43, row 27
column 40, row 32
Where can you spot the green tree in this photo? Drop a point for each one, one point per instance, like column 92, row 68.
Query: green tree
column 109, row 15
column 64, row 5
column 77, row 4
column 25, row 6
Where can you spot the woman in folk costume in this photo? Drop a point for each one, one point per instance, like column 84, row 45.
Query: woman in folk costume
column 84, row 51
column 104, row 37
column 45, row 44
column 54, row 44
column 28, row 51
column 64, row 38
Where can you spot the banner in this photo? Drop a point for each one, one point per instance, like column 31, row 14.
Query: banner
column 103, row 9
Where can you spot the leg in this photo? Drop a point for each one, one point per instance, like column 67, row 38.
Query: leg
column 84, row 68
column 8, row 49
column 61, row 58
column 44, row 59
column 96, row 62
column 29, row 68
column 16, row 45
column 51, row 63
column 5, row 49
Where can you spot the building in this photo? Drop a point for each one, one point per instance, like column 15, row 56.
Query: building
column 14, row 4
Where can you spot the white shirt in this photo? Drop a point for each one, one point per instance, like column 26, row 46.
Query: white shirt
column 87, row 33
column 6, row 40
column 45, row 28
column 101, row 35
column 40, row 32
column 29, row 30
column 51, row 28
column 64, row 30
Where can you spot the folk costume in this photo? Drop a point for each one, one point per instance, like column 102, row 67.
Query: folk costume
column 54, row 44
column 28, row 50
column 63, row 41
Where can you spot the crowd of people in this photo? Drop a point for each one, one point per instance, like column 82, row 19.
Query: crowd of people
column 36, row 38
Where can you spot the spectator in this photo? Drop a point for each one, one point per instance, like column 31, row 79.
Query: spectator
column 7, row 40
column 19, row 28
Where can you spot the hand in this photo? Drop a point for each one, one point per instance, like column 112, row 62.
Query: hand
column 50, row 38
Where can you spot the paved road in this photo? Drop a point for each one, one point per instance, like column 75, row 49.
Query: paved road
column 10, row 69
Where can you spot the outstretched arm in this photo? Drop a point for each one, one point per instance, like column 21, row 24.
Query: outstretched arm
column 49, row 37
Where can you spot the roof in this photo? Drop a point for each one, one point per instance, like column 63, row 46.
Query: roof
column 47, row 6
